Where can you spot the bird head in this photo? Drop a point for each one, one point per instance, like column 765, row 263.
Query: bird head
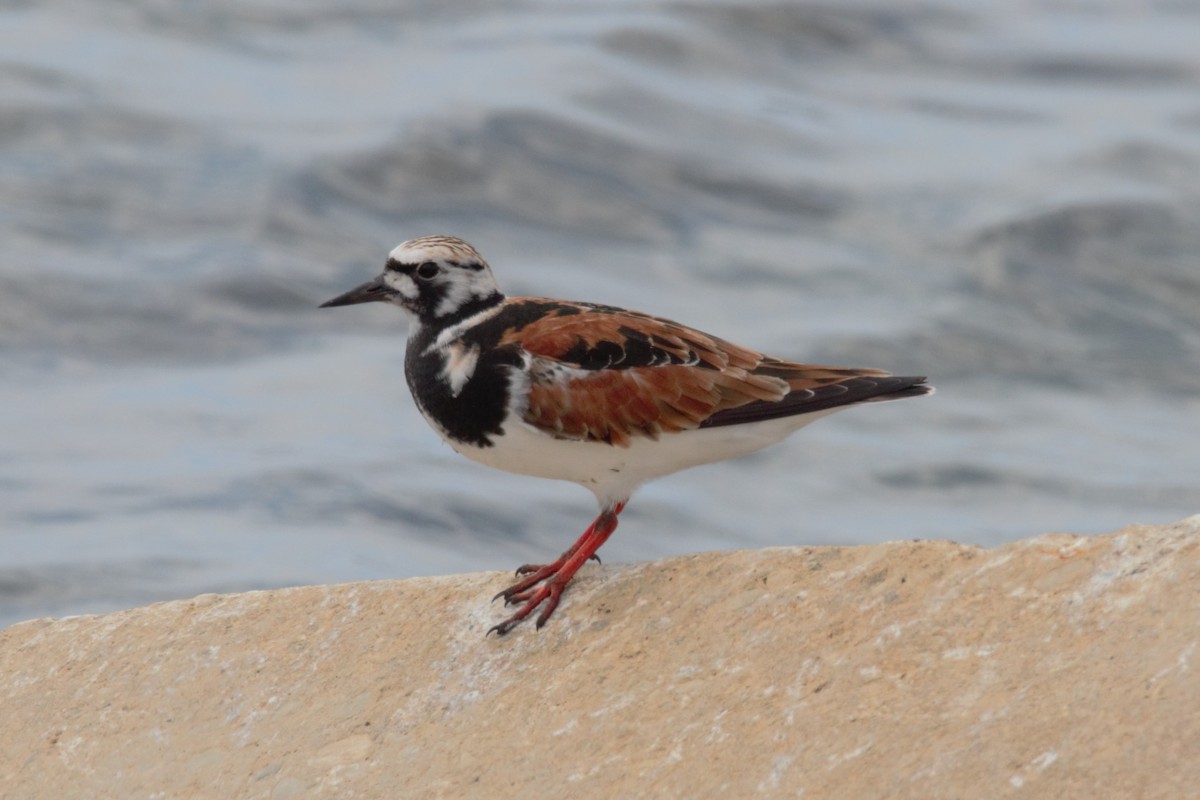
column 435, row 278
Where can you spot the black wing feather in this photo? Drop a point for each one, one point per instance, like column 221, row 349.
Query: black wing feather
column 807, row 401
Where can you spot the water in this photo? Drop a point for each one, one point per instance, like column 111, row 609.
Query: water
column 1002, row 196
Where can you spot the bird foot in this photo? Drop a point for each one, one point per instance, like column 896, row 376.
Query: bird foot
column 553, row 578
column 548, row 593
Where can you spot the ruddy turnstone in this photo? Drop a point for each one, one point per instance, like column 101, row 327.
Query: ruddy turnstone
column 597, row 395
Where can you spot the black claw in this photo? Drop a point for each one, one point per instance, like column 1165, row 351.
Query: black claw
column 595, row 557
column 507, row 594
column 502, row 629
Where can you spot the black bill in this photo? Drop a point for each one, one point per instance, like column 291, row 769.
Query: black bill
column 370, row 292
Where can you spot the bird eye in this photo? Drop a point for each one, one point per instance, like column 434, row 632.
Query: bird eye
column 427, row 270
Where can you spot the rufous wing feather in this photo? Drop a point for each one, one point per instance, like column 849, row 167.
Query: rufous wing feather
column 605, row 374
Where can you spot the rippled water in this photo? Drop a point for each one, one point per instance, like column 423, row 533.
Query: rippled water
column 1002, row 196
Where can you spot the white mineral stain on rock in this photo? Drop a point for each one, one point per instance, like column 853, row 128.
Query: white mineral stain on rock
column 289, row 789
column 344, row 751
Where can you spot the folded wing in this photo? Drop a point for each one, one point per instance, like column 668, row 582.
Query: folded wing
column 604, row 374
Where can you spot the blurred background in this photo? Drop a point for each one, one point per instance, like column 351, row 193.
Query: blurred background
column 1004, row 196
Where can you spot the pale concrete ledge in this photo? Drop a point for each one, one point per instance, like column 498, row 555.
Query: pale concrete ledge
column 1058, row 666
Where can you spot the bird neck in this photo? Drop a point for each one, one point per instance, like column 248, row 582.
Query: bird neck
column 475, row 305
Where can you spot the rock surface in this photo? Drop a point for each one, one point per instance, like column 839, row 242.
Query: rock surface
column 1058, row 666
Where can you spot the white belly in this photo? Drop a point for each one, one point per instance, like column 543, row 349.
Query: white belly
column 611, row 472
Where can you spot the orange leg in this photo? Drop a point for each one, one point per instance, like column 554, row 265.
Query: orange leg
column 555, row 576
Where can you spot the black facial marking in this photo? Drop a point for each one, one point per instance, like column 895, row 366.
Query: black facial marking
column 431, row 292
column 429, row 295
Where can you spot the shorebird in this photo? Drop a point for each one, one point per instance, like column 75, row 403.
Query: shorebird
column 597, row 395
